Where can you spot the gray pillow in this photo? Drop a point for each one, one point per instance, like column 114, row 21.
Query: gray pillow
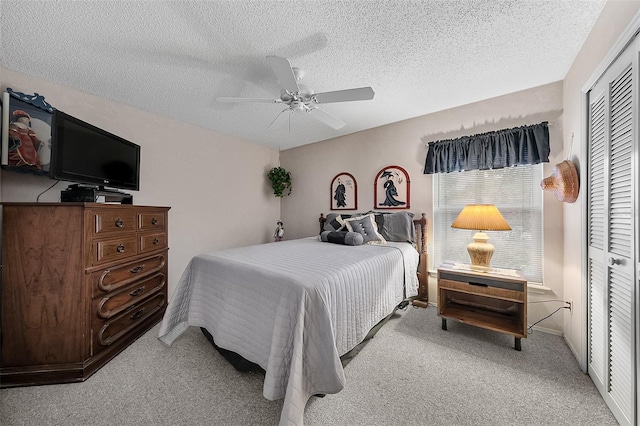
column 366, row 226
column 335, row 222
column 345, row 238
column 396, row 226
column 399, row 227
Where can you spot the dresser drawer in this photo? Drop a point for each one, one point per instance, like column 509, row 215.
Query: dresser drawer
column 119, row 327
column 114, row 221
column 115, row 249
column 152, row 242
column 148, row 221
column 112, row 279
column 114, row 303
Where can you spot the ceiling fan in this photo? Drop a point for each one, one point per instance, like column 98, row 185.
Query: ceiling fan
column 299, row 97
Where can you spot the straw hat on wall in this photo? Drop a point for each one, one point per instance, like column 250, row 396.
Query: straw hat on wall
column 563, row 182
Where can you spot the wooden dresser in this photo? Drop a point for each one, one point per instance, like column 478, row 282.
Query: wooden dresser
column 80, row 282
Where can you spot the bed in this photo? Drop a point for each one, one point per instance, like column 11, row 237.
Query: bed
column 294, row 307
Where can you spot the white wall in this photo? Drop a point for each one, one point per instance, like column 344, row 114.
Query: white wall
column 216, row 185
column 614, row 18
column 363, row 154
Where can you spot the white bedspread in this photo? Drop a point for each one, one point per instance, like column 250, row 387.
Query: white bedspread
column 292, row 307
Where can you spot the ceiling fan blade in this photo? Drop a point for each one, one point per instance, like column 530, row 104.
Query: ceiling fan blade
column 326, row 118
column 280, row 120
column 284, row 73
column 359, row 94
column 255, row 100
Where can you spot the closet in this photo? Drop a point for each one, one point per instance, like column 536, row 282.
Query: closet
column 612, row 234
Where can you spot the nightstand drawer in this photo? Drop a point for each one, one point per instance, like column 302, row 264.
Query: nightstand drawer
column 482, row 289
column 481, row 279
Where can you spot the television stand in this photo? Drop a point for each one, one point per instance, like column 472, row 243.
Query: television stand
column 94, row 194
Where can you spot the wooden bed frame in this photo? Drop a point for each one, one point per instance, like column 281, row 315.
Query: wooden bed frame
column 421, row 247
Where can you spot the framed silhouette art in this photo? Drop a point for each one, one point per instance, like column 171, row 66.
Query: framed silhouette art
column 344, row 192
column 391, row 189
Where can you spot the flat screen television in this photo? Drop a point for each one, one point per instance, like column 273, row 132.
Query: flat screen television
column 86, row 154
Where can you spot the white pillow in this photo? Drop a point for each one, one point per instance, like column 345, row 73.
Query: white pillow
column 366, row 226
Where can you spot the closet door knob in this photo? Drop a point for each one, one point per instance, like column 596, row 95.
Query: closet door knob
column 614, row 261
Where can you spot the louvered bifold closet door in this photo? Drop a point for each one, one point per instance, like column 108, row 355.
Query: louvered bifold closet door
column 598, row 169
column 621, row 244
column 612, row 236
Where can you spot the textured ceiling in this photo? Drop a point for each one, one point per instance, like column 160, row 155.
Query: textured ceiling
column 176, row 57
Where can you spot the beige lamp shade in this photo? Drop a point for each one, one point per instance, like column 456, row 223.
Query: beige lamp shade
column 481, row 217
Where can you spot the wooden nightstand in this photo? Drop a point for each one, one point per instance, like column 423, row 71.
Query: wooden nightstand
column 489, row 300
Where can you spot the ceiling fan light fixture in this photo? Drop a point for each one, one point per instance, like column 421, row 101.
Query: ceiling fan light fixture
column 299, row 97
column 297, row 106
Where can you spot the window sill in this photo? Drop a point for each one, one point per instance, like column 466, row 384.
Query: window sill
column 538, row 288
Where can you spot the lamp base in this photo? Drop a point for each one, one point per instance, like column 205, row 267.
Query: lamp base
column 480, row 252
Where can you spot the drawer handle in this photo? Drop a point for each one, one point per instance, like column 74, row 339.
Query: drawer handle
column 137, row 314
column 478, row 284
column 120, row 248
column 154, row 221
column 119, row 223
column 136, row 292
column 136, row 269
column 156, row 241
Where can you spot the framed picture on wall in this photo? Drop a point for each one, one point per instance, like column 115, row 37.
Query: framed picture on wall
column 344, row 192
column 391, row 189
column 26, row 133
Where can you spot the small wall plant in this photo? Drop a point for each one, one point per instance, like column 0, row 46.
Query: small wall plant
column 280, row 181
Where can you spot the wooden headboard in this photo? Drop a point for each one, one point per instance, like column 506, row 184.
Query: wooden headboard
column 423, row 274
column 421, row 247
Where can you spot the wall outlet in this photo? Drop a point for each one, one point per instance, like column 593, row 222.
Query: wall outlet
column 570, row 305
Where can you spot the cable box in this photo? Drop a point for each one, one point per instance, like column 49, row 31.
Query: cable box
column 94, row 195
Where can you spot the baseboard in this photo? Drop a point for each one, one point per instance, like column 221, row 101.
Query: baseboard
column 547, row 330
column 576, row 355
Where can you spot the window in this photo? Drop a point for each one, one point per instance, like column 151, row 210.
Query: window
column 517, row 194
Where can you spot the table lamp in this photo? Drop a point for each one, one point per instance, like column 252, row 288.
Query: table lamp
column 480, row 217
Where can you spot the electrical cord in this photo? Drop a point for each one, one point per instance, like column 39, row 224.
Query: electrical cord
column 530, row 328
column 403, row 305
column 38, row 197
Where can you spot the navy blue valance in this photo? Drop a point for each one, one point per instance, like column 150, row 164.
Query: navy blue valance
column 492, row 150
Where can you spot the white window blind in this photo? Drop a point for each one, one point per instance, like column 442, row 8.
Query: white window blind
column 517, row 194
